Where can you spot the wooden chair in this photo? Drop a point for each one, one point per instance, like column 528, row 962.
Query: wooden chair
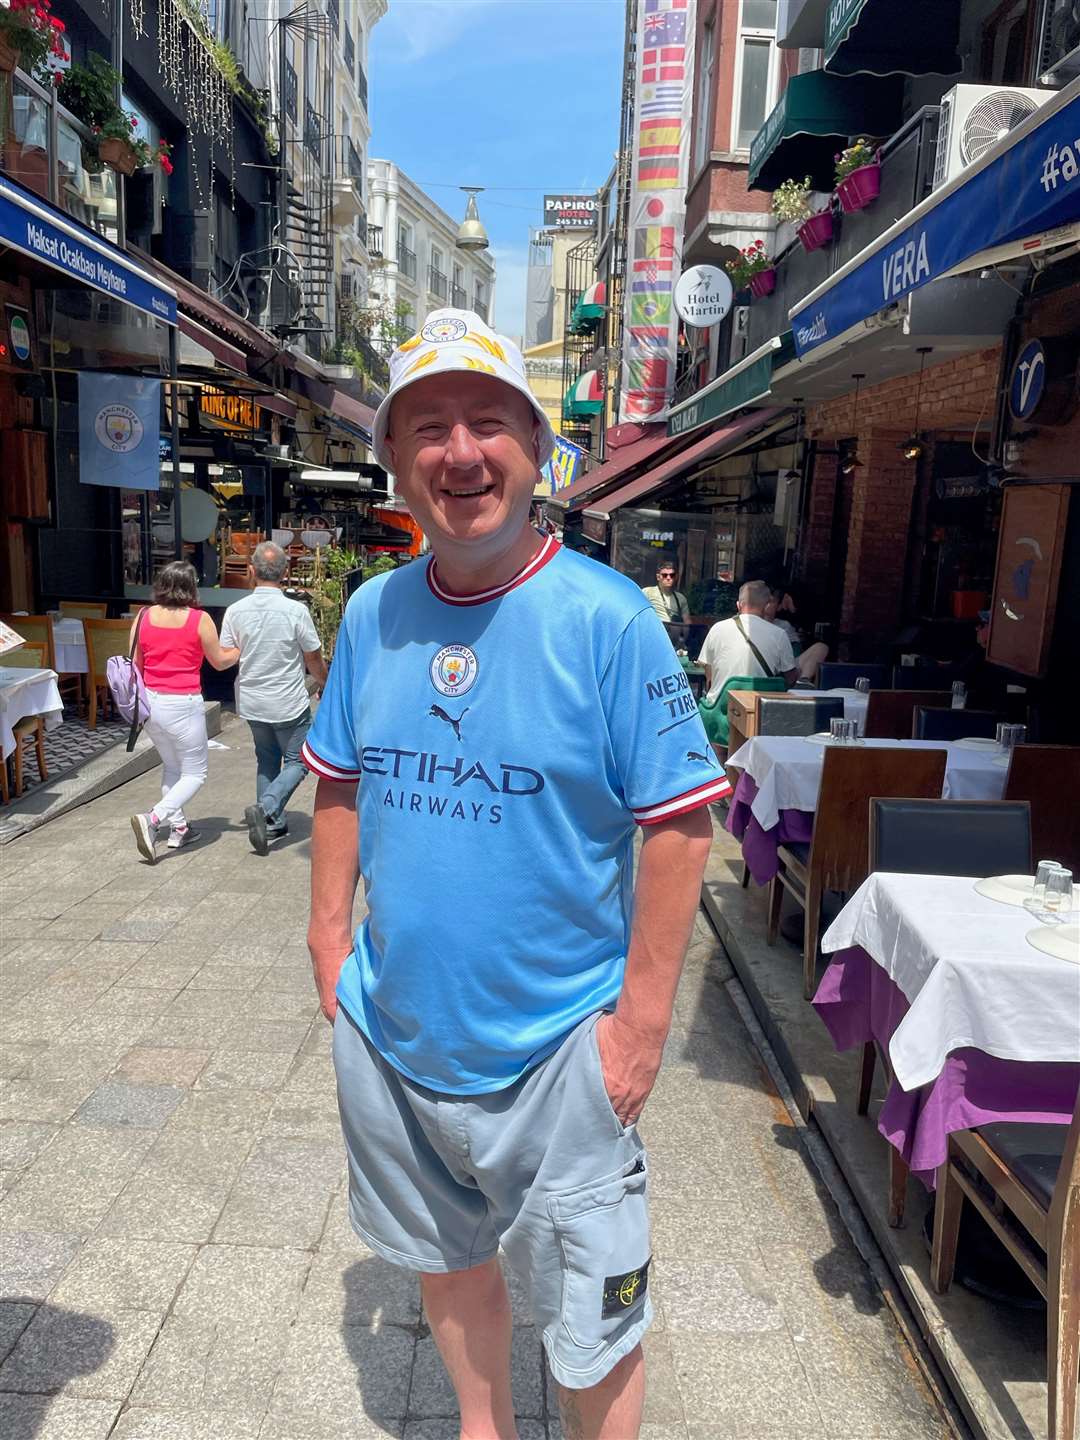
column 837, row 856
column 30, row 730
column 37, row 630
column 1048, row 778
column 890, row 714
column 1030, row 1198
column 811, row 716
column 942, row 724
column 715, row 717
column 938, row 837
column 840, row 675
column 104, row 639
column 77, row 610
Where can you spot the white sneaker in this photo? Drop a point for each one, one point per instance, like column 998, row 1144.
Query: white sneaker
column 146, row 834
column 177, row 838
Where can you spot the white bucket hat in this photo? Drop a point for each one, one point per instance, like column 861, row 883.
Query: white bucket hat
column 457, row 340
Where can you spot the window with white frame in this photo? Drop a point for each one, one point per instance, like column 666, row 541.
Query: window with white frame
column 703, row 110
column 756, row 67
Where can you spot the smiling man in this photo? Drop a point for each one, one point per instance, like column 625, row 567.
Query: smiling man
column 497, row 723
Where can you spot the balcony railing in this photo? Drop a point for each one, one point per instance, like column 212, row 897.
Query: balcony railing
column 375, row 241
column 349, row 49
column 481, row 308
column 45, row 153
column 361, row 85
column 291, row 92
column 313, row 130
column 437, row 282
column 907, row 168
column 406, row 260
column 354, row 165
column 332, row 11
column 458, row 298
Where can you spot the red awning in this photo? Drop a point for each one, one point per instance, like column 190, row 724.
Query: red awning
column 212, row 313
column 711, row 447
column 221, row 350
column 621, row 463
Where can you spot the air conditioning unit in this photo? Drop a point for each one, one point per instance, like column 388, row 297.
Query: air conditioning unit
column 974, row 118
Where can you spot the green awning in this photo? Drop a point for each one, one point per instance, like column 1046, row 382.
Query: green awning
column 815, row 117
column 881, row 37
column 747, row 383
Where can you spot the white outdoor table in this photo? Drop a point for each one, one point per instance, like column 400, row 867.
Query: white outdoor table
column 23, row 693
column 855, row 703
column 69, row 642
column 786, row 771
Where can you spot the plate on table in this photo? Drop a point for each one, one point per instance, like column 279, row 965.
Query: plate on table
column 977, row 742
column 1001, row 761
column 821, row 738
column 847, row 691
column 1009, row 889
column 1061, row 941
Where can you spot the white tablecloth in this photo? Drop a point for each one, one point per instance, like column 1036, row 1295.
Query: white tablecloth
column 69, row 640
column 963, row 963
column 787, row 772
column 27, row 692
column 855, row 703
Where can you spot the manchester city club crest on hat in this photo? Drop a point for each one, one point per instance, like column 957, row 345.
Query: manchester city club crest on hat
column 454, row 670
column 441, row 332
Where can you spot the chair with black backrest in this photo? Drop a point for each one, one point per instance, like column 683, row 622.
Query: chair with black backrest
column 834, row 675
column 938, row 837
column 104, row 639
column 1028, row 1192
column 837, row 856
column 890, row 714
column 1048, row 778
column 938, row 723
column 799, row 717
column 29, row 732
column 922, row 677
column 715, row 717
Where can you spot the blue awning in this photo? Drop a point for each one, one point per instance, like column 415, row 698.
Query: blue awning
column 1028, row 184
column 35, row 229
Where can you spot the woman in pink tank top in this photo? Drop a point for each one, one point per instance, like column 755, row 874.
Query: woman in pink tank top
column 173, row 636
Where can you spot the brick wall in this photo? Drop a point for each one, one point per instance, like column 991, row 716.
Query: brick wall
column 955, row 395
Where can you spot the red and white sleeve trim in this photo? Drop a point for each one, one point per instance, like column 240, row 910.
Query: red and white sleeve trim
column 712, row 790
column 318, row 766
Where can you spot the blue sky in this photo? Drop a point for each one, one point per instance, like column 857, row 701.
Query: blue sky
column 521, row 96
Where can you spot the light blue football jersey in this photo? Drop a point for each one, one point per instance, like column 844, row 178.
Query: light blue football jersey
column 505, row 746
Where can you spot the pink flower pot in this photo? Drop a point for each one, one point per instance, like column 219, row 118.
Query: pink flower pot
column 860, row 188
column 817, row 231
column 763, row 283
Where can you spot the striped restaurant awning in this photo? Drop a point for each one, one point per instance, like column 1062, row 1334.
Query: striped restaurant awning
column 585, row 396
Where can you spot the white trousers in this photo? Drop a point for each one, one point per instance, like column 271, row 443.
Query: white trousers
column 177, row 726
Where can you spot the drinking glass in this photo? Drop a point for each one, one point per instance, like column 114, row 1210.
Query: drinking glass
column 862, row 684
column 1034, row 902
column 959, row 695
column 1057, row 903
column 1009, row 735
column 840, row 731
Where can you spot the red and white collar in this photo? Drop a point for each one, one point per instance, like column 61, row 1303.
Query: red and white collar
column 546, row 553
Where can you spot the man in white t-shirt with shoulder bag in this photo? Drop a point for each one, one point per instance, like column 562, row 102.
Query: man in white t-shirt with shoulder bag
column 278, row 643
column 744, row 644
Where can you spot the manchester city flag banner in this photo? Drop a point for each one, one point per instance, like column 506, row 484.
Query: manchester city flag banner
column 119, row 431
column 566, row 464
column 663, row 89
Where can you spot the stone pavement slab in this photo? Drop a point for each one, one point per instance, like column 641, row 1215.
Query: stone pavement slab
column 177, row 1259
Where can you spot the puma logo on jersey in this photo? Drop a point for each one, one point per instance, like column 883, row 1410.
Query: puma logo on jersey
column 455, row 725
column 696, row 755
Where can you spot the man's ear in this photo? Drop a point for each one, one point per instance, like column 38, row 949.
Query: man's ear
column 392, row 452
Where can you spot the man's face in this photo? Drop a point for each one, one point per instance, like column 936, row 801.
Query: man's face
column 666, row 577
column 464, row 456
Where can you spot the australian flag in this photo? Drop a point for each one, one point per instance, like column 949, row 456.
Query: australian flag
column 668, row 27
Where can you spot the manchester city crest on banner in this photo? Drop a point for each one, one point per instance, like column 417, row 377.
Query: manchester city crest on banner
column 454, row 670
column 440, row 332
column 118, row 428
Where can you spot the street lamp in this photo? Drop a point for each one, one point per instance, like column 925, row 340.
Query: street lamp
column 471, row 233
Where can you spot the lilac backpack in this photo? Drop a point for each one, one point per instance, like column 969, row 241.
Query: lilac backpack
column 127, row 688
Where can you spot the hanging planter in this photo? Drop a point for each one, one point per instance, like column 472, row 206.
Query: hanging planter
column 118, row 154
column 763, row 282
column 858, row 176
column 817, row 231
column 9, row 57
column 752, row 268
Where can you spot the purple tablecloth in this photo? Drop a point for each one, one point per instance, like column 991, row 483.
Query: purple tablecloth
column 758, row 845
column 859, row 1002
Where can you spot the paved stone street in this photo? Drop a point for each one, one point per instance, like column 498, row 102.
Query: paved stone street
column 177, row 1263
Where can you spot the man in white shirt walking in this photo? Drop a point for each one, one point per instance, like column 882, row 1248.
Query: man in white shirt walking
column 744, row 644
column 278, row 641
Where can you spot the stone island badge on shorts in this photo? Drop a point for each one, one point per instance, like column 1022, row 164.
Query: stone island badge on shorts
column 454, row 670
column 623, row 1292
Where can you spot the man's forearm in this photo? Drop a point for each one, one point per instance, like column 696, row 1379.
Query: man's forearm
column 666, row 898
column 335, row 862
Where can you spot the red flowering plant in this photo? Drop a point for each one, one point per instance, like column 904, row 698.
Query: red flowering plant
column 28, row 28
column 751, row 262
column 89, row 91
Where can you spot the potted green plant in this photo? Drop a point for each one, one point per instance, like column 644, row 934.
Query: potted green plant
column 753, row 269
column 791, row 202
column 858, row 176
column 28, row 35
column 89, row 92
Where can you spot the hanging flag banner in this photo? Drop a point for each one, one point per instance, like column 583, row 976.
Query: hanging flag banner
column 663, row 91
column 119, row 431
column 566, row 464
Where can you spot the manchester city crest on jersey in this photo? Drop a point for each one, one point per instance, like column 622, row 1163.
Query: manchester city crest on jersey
column 454, row 670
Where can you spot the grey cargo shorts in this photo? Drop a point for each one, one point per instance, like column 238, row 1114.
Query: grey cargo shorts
column 545, row 1168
